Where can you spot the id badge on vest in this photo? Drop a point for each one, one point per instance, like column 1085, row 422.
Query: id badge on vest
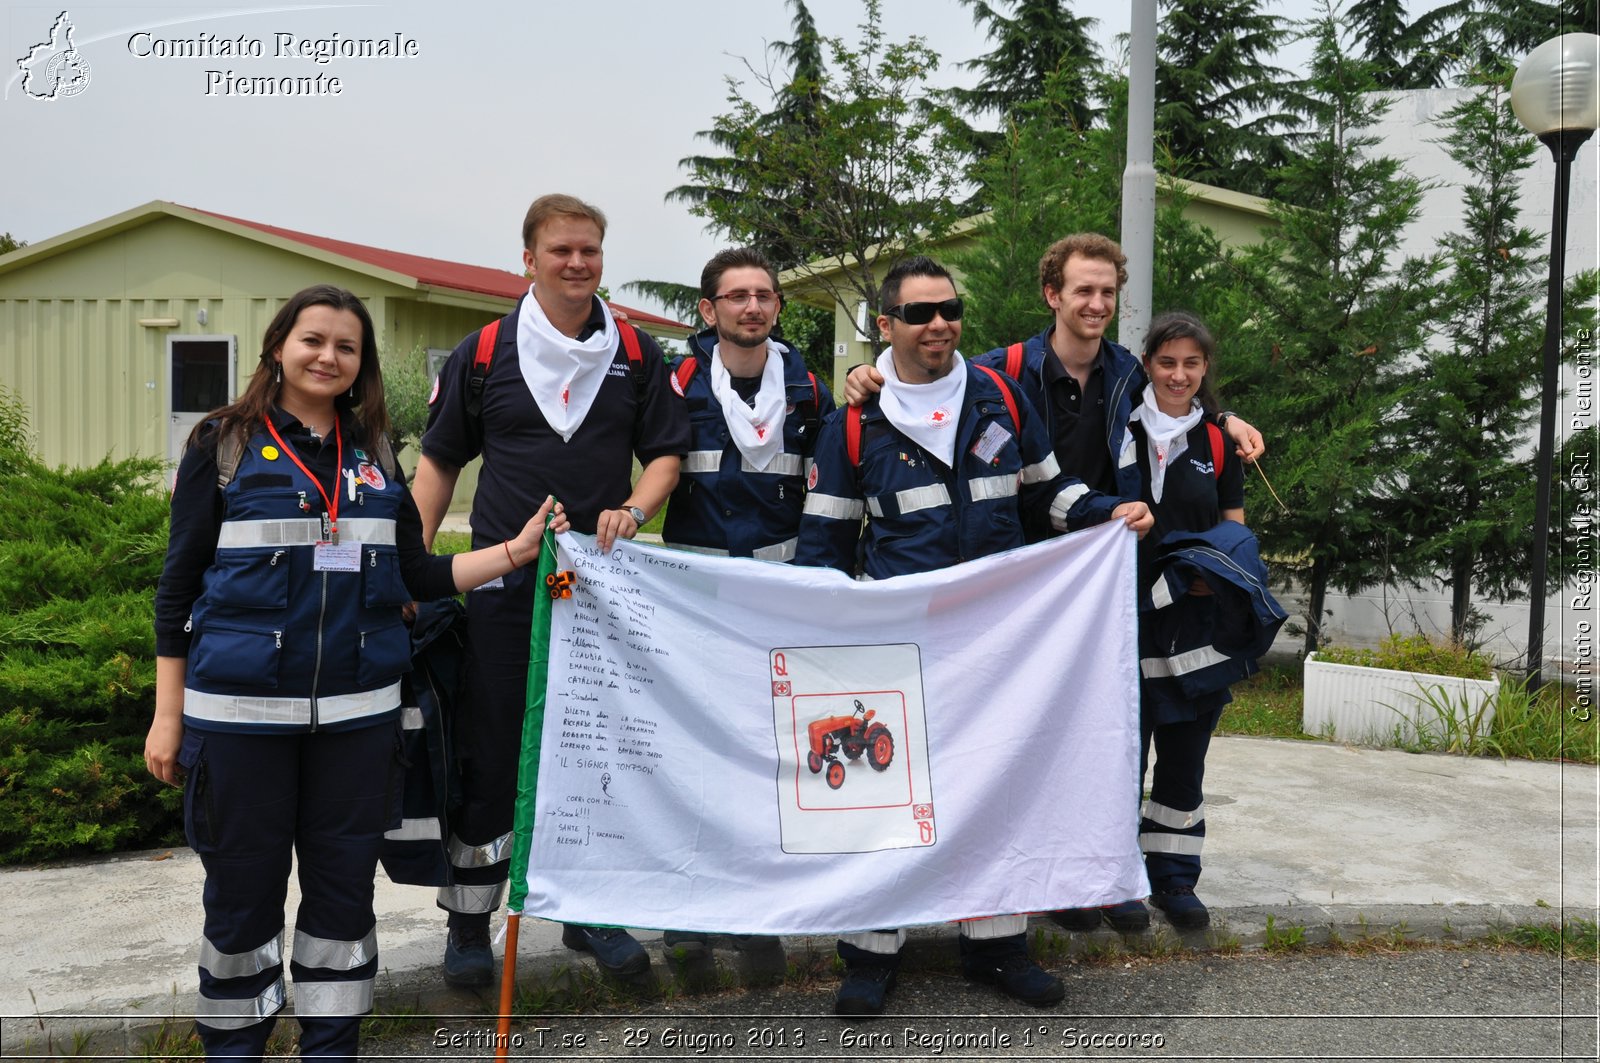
column 337, row 557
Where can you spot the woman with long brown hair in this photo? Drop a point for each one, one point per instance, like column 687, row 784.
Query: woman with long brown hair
column 280, row 647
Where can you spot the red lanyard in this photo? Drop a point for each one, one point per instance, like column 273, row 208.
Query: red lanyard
column 332, row 503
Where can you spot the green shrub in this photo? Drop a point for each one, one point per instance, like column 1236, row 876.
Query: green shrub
column 1415, row 653
column 78, row 570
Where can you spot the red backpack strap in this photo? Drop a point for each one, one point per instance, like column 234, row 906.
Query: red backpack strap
column 630, row 342
column 1014, row 361
column 852, row 434
column 1216, row 449
column 1005, row 391
column 482, row 358
column 685, row 373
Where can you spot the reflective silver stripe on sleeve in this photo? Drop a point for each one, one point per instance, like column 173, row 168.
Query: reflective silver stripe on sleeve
column 1039, row 471
column 288, row 712
column 332, row 998
column 1181, row 663
column 486, row 855
column 784, row 464
column 1180, row 844
column 874, row 507
column 835, row 507
column 711, row 551
column 987, row 487
column 1161, row 593
column 702, row 461
column 783, row 551
column 297, row 532
column 1172, row 817
column 810, row 464
column 411, row 718
column 472, row 899
column 333, row 955
column 918, row 498
column 415, row 830
column 1065, row 499
column 237, row 1014
column 241, row 964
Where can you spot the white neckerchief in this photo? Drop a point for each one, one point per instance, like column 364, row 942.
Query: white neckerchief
column 563, row 374
column 757, row 431
column 1165, row 435
column 925, row 412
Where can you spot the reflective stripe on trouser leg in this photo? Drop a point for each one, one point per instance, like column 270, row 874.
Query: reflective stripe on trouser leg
column 1172, row 826
column 878, row 942
column 994, row 926
column 350, row 790
column 488, row 739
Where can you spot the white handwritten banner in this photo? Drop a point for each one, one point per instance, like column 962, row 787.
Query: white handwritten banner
column 739, row 746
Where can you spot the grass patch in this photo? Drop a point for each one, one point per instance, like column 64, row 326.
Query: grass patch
column 1415, row 653
column 1552, row 725
column 1576, row 939
column 1265, row 705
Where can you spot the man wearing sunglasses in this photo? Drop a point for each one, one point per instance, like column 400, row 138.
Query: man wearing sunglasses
column 754, row 410
column 946, row 469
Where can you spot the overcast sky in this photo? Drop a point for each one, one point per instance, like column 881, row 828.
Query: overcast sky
column 437, row 153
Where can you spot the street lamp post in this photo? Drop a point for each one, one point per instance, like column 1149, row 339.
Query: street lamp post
column 1556, row 95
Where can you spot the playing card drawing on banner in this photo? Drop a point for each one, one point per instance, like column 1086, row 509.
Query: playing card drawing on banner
column 852, row 742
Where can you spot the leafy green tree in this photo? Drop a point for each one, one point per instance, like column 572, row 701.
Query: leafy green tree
column 1042, row 43
column 10, row 243
column 869, row 178
column 1335, row 310
column 1405, row 54
column 1046, row 178
column 1222, row 110
column 724, row 184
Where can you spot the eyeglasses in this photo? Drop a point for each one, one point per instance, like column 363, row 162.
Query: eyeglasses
column 922, row 313
column 766, row 300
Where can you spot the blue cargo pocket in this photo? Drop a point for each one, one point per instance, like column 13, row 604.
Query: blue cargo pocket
column 381, row 583
column 383, row 655
column 199, row 813
column 256, row 578
column 226, row 654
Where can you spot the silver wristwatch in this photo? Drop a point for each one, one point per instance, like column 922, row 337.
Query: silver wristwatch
column 638, row 515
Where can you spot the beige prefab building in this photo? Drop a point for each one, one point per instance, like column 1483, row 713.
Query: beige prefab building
column 1235, row 219
column 120, row 335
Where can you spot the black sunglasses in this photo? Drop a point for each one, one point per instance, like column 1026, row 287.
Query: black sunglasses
column 922, row 313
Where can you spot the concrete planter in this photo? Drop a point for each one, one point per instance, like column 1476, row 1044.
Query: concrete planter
column 1383, row 707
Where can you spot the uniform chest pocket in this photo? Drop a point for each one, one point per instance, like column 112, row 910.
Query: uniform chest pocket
column 252, row 578
column 225, row 653
column 381, row 583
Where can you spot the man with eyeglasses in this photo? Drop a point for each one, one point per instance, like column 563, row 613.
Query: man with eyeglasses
column 754, row 410
column 946, row 459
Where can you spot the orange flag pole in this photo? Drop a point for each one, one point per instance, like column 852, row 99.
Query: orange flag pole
column 508, row 983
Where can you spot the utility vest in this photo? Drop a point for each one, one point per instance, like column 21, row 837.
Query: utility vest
column 278, row 645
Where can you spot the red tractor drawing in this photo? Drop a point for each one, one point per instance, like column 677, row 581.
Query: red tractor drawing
column 854, row 735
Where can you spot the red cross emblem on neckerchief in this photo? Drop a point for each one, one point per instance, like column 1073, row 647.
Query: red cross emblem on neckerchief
column 761, row 431
column 939, row 417
column 565, row 392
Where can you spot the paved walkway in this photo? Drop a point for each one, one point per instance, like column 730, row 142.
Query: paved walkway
column 1332, row 838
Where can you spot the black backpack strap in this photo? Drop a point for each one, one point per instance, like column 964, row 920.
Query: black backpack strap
column 230, row 451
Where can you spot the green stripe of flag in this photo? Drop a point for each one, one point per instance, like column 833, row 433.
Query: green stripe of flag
column 532, row 727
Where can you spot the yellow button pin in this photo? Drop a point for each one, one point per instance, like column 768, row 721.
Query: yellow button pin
column 269, row 452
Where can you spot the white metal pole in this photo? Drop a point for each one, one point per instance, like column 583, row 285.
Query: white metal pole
column 1139, row 179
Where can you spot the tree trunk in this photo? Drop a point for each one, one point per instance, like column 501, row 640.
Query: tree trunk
column 1317, row 597
column 1460, row 594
